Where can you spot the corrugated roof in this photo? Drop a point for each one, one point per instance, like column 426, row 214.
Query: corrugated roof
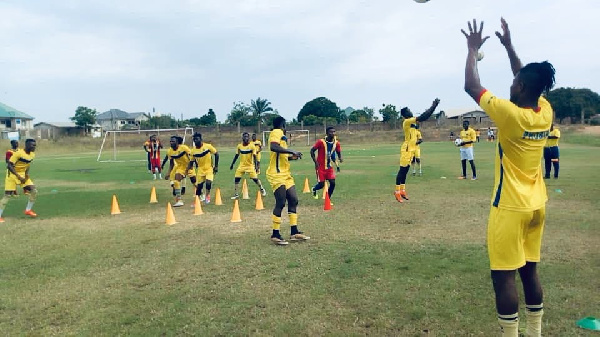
column 10, row 112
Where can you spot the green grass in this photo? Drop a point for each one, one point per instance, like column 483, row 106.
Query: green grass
column 373, row 266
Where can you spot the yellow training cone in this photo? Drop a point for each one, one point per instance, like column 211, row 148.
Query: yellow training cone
column 259, row 203
column 153, row 199
column 245, row 195
column 170, row 216
column 218, row 200
column 306, row 186
column 235, row 216
column 114, row 209
column 197, row 206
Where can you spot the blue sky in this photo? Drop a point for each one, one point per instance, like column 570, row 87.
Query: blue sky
column 184, row 57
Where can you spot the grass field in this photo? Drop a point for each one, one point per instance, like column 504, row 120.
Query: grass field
column 373, row 266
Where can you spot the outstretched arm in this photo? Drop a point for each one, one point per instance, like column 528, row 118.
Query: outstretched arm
column 515, row 62
column 275, row 147
column 474, row 42
column 425, row 115
column 234, row 160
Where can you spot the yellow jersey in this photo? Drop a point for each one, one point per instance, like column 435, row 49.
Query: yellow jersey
column 180, row 156
column 419, row 137
column 410, row 134
column 522, row 133
column 468, row 135
column 21, row 160
column 246, row 153
column 279, row 162
column 203, row 156
column 553, row 142
column 258, row 144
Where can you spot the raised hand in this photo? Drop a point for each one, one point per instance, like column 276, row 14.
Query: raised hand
column 474, row 38
column 505, row 36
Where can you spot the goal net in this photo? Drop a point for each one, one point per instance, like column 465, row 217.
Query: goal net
column 295, row 137
column 127, row 145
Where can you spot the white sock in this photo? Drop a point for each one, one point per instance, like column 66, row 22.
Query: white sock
column 29, row 205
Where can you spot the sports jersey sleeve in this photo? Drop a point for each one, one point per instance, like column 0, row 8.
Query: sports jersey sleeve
column 318, row 145
column 473, row 136
column 557, row 133
column 212, row 149
column 338, row 147
column 499, row 110
column 237, row 150
column 15, row 157
column 8, row 155
column 275, row 136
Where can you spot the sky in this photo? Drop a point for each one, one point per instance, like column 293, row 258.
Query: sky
column 184, row 57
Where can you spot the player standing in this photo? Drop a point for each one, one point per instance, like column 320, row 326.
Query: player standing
column 467, row 137
column 417, row 158
column 282, row 183
column 327, row 147
column 14, row 146
column 552, row 153
column 246, row 151
column 18, row 174
column 179, row 158
column 518, row 206
column 258, row 144
column 153, row 147
column 201, row 155
column 407, row 150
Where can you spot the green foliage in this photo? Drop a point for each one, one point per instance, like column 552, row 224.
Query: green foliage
column 259, row 107
column 570, row 102
column 311, row 120
column 241, row 112
column 320, row 107
column 210, row 118
column 389, row 113
column 84, row 117
column 359, row 116
column 160, row 122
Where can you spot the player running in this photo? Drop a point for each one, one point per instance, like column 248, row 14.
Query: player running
column 246, row 151
column 179, row 158
column 327, row 147
column 417, row 158
column 17, row 173
column 201, row 155
column 258, row 144
column 14, row 146
column 153, row 146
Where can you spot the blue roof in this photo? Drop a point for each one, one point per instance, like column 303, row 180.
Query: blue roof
column 10, row 112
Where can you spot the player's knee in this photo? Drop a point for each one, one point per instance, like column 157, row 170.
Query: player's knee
column 208, row 184
column 33, row 192
column 332, row 183
column 237, row 180
column 193, row 180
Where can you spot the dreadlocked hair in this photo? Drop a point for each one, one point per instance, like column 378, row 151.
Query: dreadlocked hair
column 538, row 77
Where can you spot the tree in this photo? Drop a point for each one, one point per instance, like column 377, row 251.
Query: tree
column 389, row 114
column 359, row 116
column 310, row 120
column 370, row 112
column 84, row 117
column 259, row 107
column 159, row 122
column 574, row 103
column 269, row 117
column 210, row 118
column 240, row 113
column 320, row 107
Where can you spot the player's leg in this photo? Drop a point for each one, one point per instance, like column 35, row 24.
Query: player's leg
column 200, row 180
column 463, row 163
column 280, row 198
column 236, row 185
column 419, row 162
column 320, row 183
column 292, row 201
column 507, row 301
column 405, row 160
column 331, row 187
column 555, row 162
column 4, row 201
column 32, row 194
column 177, row 189
column 547, row 162
column 414, row 165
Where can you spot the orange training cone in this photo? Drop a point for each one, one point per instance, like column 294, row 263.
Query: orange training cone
column 170, row 220
column 245, row 195
column 327, row 204
column 306, row 186
column 197, row 206
column 259, row 203
column 218, row 200
column 153, row 199
column 325, row 189
column 114, row 209
column 235, row 216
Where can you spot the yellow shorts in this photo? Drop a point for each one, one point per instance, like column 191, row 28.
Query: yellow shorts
column 246, row 170
column 418, row 153
column 182, row 171
column 202, row 176
column 406, row 156
column 258, row 156
column 11, row 182
column 282, row 179
column 514, row 238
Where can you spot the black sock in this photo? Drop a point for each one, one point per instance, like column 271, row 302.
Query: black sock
column 294, row 230
column 276, row 234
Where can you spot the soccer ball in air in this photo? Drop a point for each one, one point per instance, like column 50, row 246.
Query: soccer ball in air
column 421, row 1
column 457, row 141
column 480, row 56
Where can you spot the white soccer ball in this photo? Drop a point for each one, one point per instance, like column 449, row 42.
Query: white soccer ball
column 457, row 141
column 421, row 1
column 480, row 56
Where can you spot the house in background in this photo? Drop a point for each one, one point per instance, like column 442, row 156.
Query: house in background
column 53, row 130
column 12, row 121
column 115, row 119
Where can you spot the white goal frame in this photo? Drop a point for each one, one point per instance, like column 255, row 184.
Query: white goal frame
column 186, row 131
column 265, row 136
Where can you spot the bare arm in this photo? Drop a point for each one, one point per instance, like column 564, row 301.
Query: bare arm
column 314, row 158
column 11, row 167
column 234, row 160
column 425, row 115
column 515, row 62
column 474, row 42
column 216, row 168
column 275, row 147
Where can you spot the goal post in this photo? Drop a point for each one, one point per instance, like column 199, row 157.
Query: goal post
column 126, row 145
column 295, row 137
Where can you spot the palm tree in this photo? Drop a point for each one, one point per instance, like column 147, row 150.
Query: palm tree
column 259, row 106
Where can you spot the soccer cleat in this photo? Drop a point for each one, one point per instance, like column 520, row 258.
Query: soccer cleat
column 263, row 192
column 314, row 194
column 330, row 202
column 278, row 241
column 179, row 203
column 414, row 173
column 299, row 237
column 403, row 194
column 1, row 220
column 30, row 213
column 474, row 178
column 398, row 196
column 462, row 178
column 235, row 196
column 202, row 197
column 207, row 199
column 420, row 173
column 155, row 177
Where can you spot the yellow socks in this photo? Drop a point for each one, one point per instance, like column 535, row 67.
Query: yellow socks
column 400, row 187
column 534, row 315
column 276, row 222
column 293, row 219
column 509, row 325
